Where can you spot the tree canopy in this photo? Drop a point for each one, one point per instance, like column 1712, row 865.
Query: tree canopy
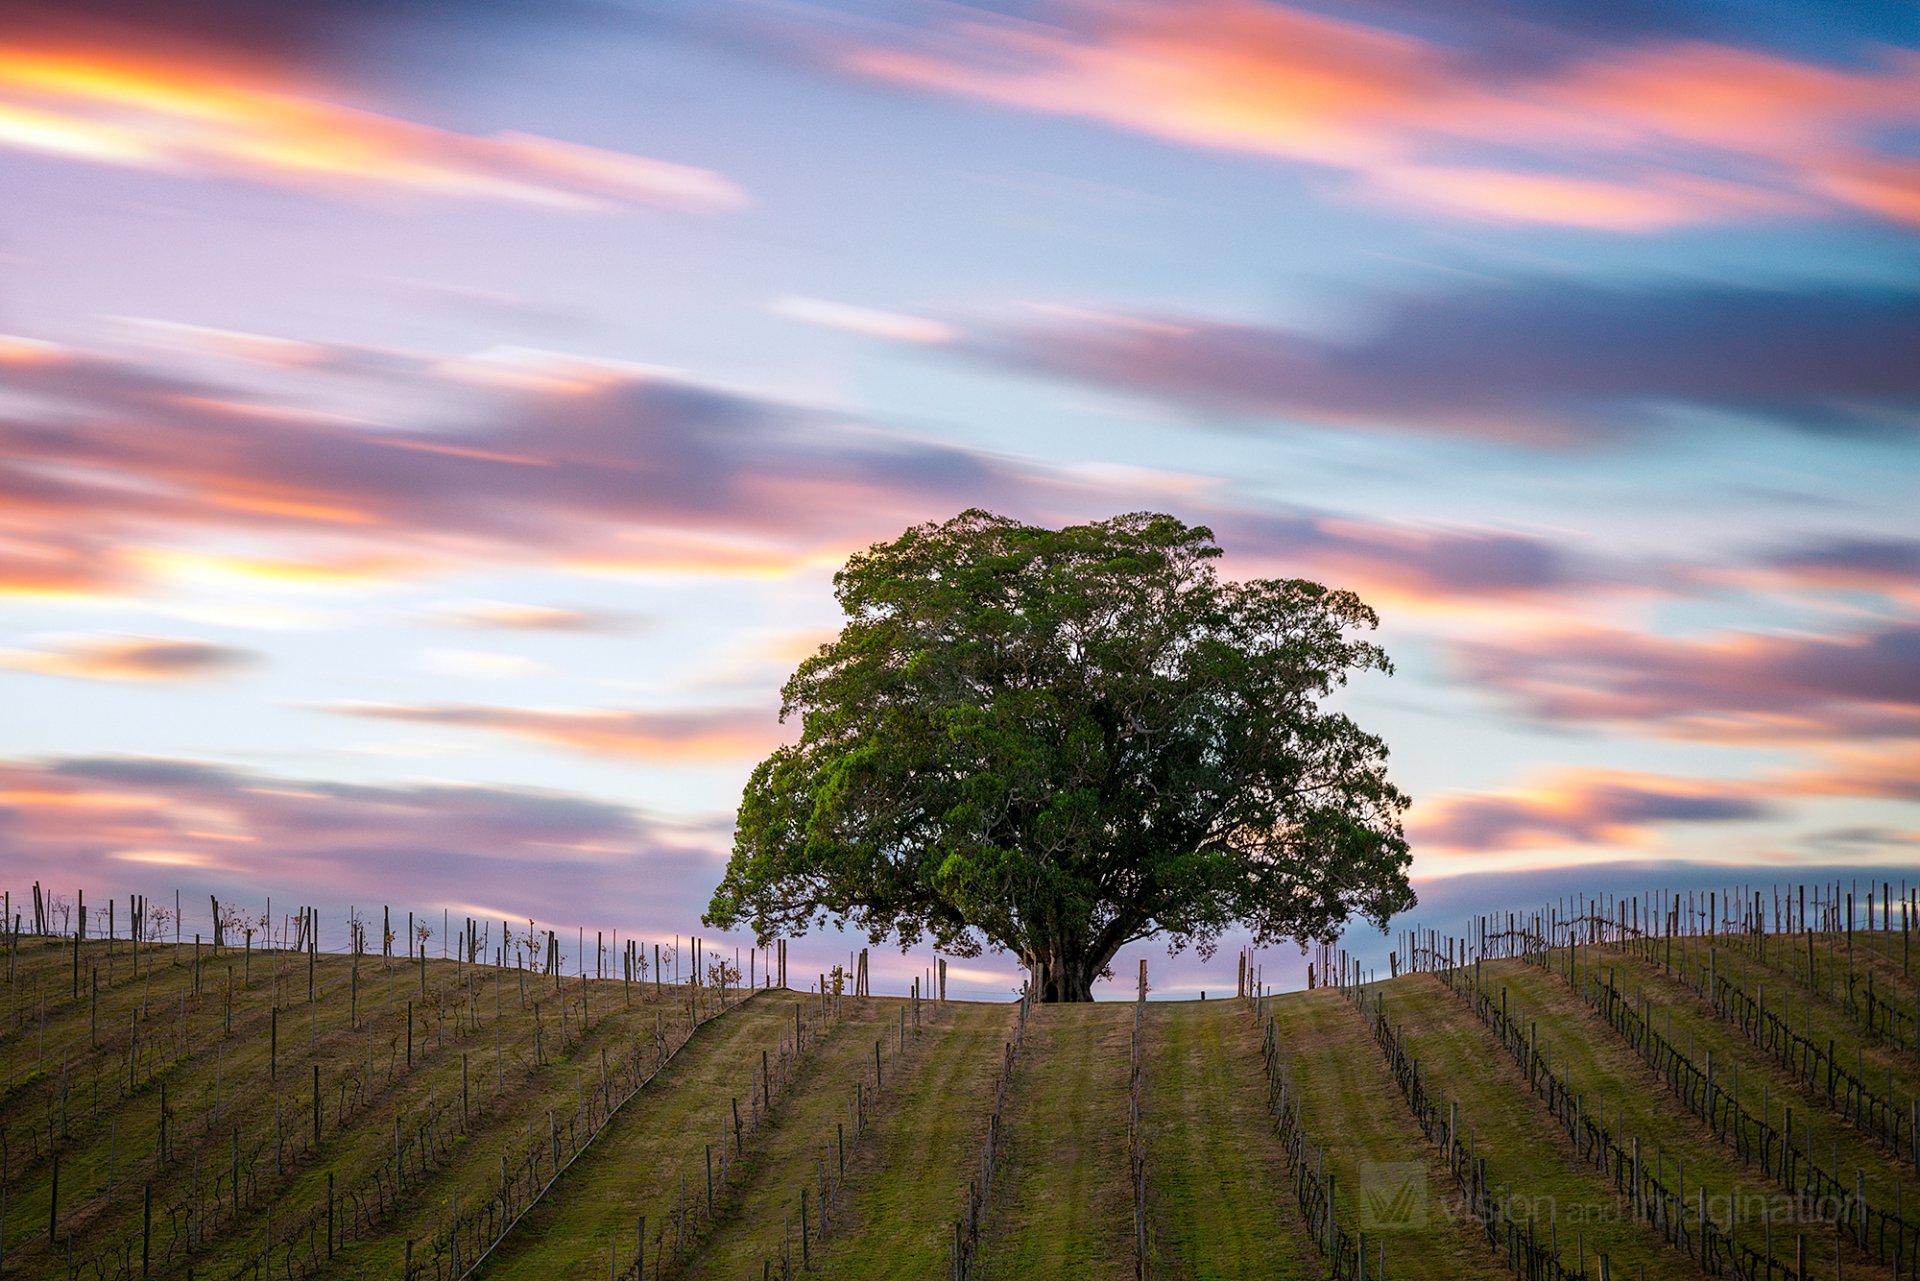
column 1059, row 741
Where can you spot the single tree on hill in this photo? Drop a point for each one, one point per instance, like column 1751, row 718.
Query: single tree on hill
column 1058, row 741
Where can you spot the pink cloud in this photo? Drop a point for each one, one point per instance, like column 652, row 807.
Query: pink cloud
column 116, row 824
column 661, row 738
column 596, row 468
column 1542, row 363
column 1735, row 687
column 129, row 658
column 227, row 120
column 1889, row 771
column 1581, row 807
column 1625, row 137
column 624, row 468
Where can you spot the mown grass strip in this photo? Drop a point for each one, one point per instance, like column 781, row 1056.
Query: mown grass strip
column 1767, row 1089
column 762, row 1218
column 637, row 1165
column 896, row 1223
column 1349, row 1103
column 1502, row 1122
column 1062, row 1208
column 1596, row 1063
column 1217, row 1178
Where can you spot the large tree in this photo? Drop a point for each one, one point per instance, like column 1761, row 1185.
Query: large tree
column 1058, row 741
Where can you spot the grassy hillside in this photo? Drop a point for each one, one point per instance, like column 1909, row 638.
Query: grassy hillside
column 175, row 1113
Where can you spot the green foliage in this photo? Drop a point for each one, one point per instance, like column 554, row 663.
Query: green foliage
column 1060, row 741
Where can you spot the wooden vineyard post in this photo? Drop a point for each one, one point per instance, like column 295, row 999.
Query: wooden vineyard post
column 943, row 978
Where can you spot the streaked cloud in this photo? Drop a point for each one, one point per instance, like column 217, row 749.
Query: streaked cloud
column 1592, row 807
column 112, row 822
column 130, row 658
column 661, row 738
column 514, row 616
column 1884, row 770
column 601, row 468
column 1628, row 135
column 616, row 467
column 1735, row 687
column 1889, row 564
column 870, row 321
column 226, row 121
column 1546, row 363
column 1421, row 567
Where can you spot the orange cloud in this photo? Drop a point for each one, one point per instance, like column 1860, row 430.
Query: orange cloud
column 200, row 119
column 1581, row 807
column 129, row 658
column 663, row 738
column 1653, row 201
column 1892, row 772
column 1658, row 133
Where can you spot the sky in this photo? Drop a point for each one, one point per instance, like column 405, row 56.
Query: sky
column 428, row 431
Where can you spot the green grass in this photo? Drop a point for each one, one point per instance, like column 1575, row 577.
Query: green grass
column 637, row 1166
column 1502, row 1121
column 1766, row 1088
column 1816, row 1007
column 1597, row 1062
column 1350, row 1104
column 1062, row 1206
column 1221, row 1199
column 754, row 1225
column 267, row 1098
column 909, row 1181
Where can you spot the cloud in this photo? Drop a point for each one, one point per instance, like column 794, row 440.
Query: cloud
column 130, row 658
column 224, row 121
column 661, row 738
column 511, row 616
column 1587, row 126
column 345, row 37
column 579, row 462
column 598, row 467
column 1547, row 363
column 1848, row 842
column 1428, row 566
column 1735, row 687
column 1887, row 771
column 114, row 823
column 1581, row 808
column 874, row 323
column 1881, row 564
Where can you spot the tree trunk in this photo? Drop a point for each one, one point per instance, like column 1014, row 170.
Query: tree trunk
column 1062, row 977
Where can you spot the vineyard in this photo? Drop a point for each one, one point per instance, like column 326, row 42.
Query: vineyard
column 1722, row 1085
